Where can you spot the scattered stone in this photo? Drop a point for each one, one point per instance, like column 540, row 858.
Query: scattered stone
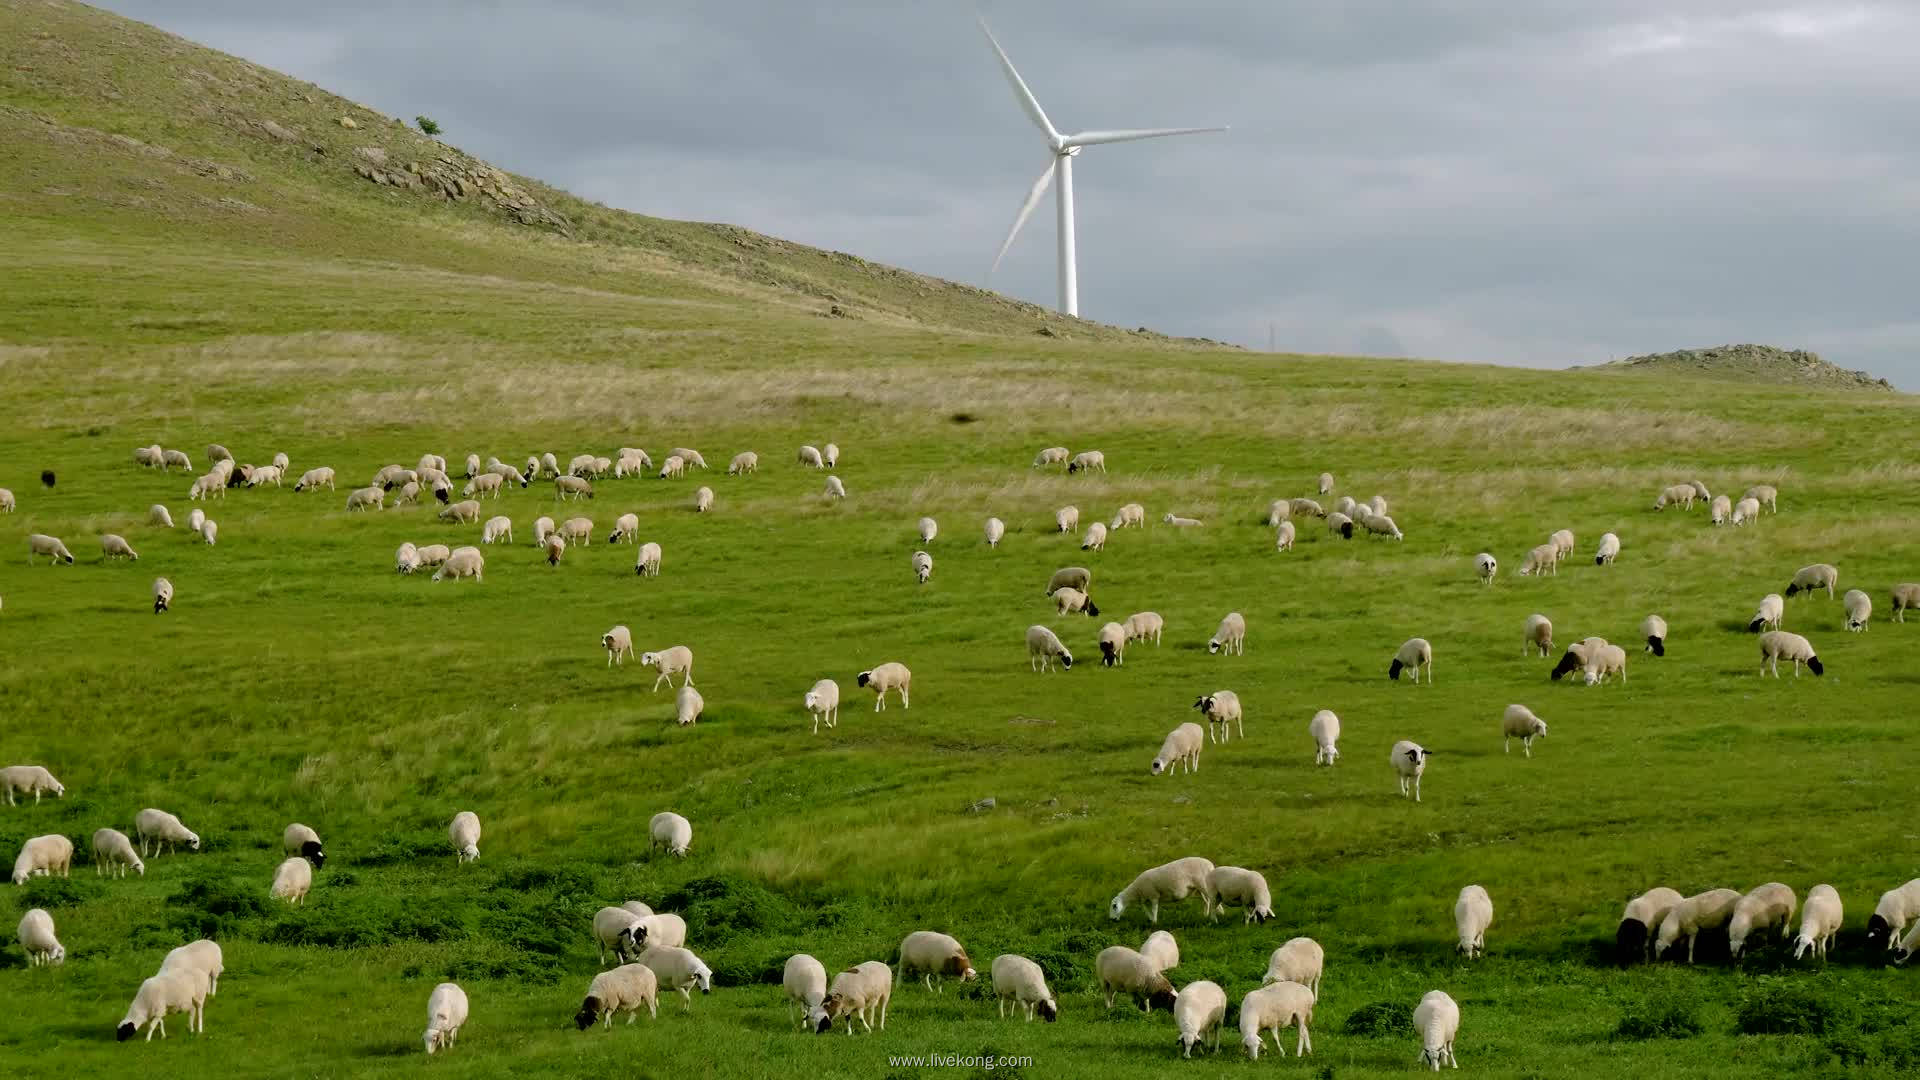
column 349, row 123
column 373, row 154
column 983, row 805
column 277, row 131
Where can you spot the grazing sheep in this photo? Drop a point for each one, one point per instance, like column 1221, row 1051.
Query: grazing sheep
column 1274, row 1008
column 408, row 495
column 823, row 703
column 670, row 661
column 932, row 955
column 703, row 500
column 744, row 464
column 571, row 487
column 1820, row 922
column 484, row 485
column 622, row 989
column 464, row 835
column 1067, row 518
column 1346, row 504
column 633, row 461
column 1414, row 653
column 1044, row 647
column 172, row 459
column 1179, row 522
column 1121, row 970
column 1306, row 508
column 1409, row 761
column 507, row 473
column 113, row 853
column 1143, row 626
column 1538, row 633
column 1763, row 908
column 1518, row 722
column 1069, row 577
column 1472, row 914
column 647, row 564
column 576, row 531
column 1182, row 745
column 1764, row 494
column 1778, row 645
column 48, row 856
column 162, row 828
column 50, row 546
column 687, row 706
column 32, row 780
column 292, row 880
column 406, row 559
column 836, row 490
column 1437, row 1021
column 1113, row 644
column 1772, row 609
column 1240, row 886
column 543, row 528
column 829, row 454
column 262, row 475
column 1130, row 514
column 1231, row 637
column 1563, row 542
column 659, row 929
column 922, row 566
column 473, row 465
column 1720, row 510
column 6, row 501
column 1486, row 566
column 446, row 1012
column 1906, row 595
column 1654, row 629
column 1052, row 455
column 1279, row 510
column 1068, row 601
column 1325, row 729
column 1859, row 609
column 805, row 981
column 1818, row 576
column 995, row 530
column 162, row 595
column 1681, row 495
column 1222, row 707
column 677, row 968
column 216, row 452
column 173, row 992
column 361, row 498
column 1703, row 911
column 1643, row 915
column 1608, row 551
column 1326, row 483
column 619, row 644
column 1300, row 960
column 209, row 531
column 583, row 465
column 863, row 991
column 301, row 840
column 626, row 528
column 196, row 518
column 810, row 458
column 1198, row 1011
column 497, row 528
column 1020, row 980
column 1604, row 661
column 462, row 562
column 1890, row 916
column 433, row 554
column 1088, row 461
column 1746, row 511
column 673, row 468
column 465, row 513
column 1096, row 538
column 1169, row 882
column 39, row 942
column 671, row 833
column 928, row 529
column 159, row 515
column 1576, row 656
column 1283, row 537
column 889, row 676
column 1161, row 950
column 1340, row 525
column 1542, row 560
column 1382, row 525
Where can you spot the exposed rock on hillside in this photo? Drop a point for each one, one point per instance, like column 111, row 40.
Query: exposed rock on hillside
column 1758, row 363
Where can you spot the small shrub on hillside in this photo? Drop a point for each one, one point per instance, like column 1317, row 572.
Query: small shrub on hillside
column 478, row 960
column 1661, row 1014
column 216, row 907
column 560, row 880
column 724, row 907
column 1892, row 1049
column 53, row 892
column 404, row 850
column 1772, row 1006
column 427, row 125
column 1377, row 1018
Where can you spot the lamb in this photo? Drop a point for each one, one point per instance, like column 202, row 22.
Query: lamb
column 1340, row 525
column 292, row 880
column 497, row 528
column 1283, row 537
column 1643, row 914
column 1231, row 637
column 1778, row 645
column 1437, row 1020
column 805, row 981
column 1766, row 494
column 995, row 530
column 670, row 833
column 1608, row 551
column 1020, row 980
column 1222, row 707
column 1144, row 625
column 466, row 513
column 1087, row 461
column 464, row 835
column 202, row 957
column 209, row 531
column 1346, row 504
column 1067, row 518
column 195, row 519
column 577, row 531
column 889, row 676
column 1044, row 647
column 1130, row 514
column 1859, row 609
column 583, row 465
column 676, row 968
column 549, row 465
column 1052, row 455
column 43, row 948
column 670, row 661
column 1409, row 761
column 1382, row 525
column 1704, row 911
column 1096, row 538
column 1278, row 511
column 1486, row 566
column 1325, row 729
column 1817, row 576
column 830, row 454
column 176, row 459
column 862, row 990
column 660, row 929
column 823, row 703
column 1472, row 914
column 1604, row 661
column 702, row 500
column 810, row 458
column 619, row 644
column 623, row 989
column 922, row 566
column 1772, row 609
column 1170, row 882
column 673, row 467
column 1238, row 885
column 48, row 856
column 150, row 457
column 647, row 564
column 392, row 476
column 361, row 498
column 1721, row 509
column 1068, row 601
column 614, row 928
column 162, row 828
column 1182, row 745
column 1069, row 577
column 1306, row 508
column 928, row 529
column 1161, row 950
column 171, row 992
column 32, row 780
column 1197, row 1012
column 408, row 495
column 1906, row 595
column 427, row 461
column 542, row 528
column 462, row 562
column 930, row 954
column 1113, row 644
column 1820, row 921
column 1890, row 916
column 433, row 554
column 1542, row 560
column 446, row 1012
column 115, row 546
column 571, row 487
column 50, row 546
column 1577, row 655
column 1300, row 960
column 835, row 489
column 744, row 464
column 1654, row 629
column 1764, row 907
column 473, row 465
column 1745, row 511
column 113, row 853
column 507, row 473
column 1326, row 483
column 1518, row 722
column 1538, row 633
column 626, row 528
column 1121, row 970
column 1414, row 653
column 484, row 485
column 1274, row 1008
column 687, row 706
column 1179, row 522
column 301, row 840
column 261, row 475
column 1681, row 495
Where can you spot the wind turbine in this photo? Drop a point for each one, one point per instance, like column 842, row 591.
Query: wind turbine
column 1061, row 150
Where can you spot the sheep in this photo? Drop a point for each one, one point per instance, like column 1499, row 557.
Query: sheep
column 922, row 566
column 932, row 955
column 835, row 489
column 1680, row 494
column 433, row 554
column 1044, row 647
column 1179, row 522
column 810, row 458
column 1608, row 551
column 1130, row 514
column 823, row 703
column 1278, row 511
column 687, row 706
column 392, row 476
column 484, row 485
column 171, row 992
column 1772, row 609
column 1485, row 566
column 1538, row 633
column 1339, row 524
column 1654, row 629
column 671, row 833
column 673, row 467
column 995, row 530
column 571, row 487
column 1762, row 908
column 1197, row 1012
column 889, row 676
column 1222, row 707
column 427, row 461
column 196, row 518
column 1020, row 980
column 292, row 880
column 1274, row 1008
column 473, row 465
column 1283, row 537
column 1161, row 950
column 862, row 990
column 1170, row 882
column 507, row 473
column 1604, row 661
column 1720, row 510
column 1121, row 970
column 677, row 968
column 50, row 546
column 160, row 516
column 446, row 1012
column 1519, row 722
column 361, row 498
column 1382, row 525
column 619, row 644
column 1306, row 508
column 1326, row 483
column 1820, row 921
column 262, row 475
column 1069, row 577
column 1325, row 729
column 42, row 947
column 744, row 463
column 1859, row 608
column 465, row 513
column 1472, row 914
column 1746, row 511
column 209, row 531
column 1238, row 885
column 408, row 495
column 1891, row 915
column 556, row 549
column 1818, row 576
column 805, row 981
column 1067, row 518
column 1906, row 595
column 829, row 454
column 668, row 662
column 1703, row 911
column 48, row 856
column 1231, row 637
column 623, row 989
column 216, row 452
column 1300, row 960
column 1113, row 644
column 301, row 840
column 32, row 780
column 577, row 531
column 462, row 562
column 497, row 528
column 150, row 457
column 1182, row 745
column 1409, row 761
column 626, row 528
column 660, row 929
column 1764, row 494
column 1778, row 645
column 928, row 529
column 1087, row 461
column 1414, row 653
column 201, row 957
column 583, row 465
column 176, row 459
column 1633, row 940
column 542, row 528
column 1542, row 560
column 703, row 500
column 1576, row 656
column 1345, row 504
column 1437, row 1021
column 613, row 928
column 464, row 835
column 6, row 501
column 1068, row 601
column 113, row 853
column 1144, row 625
column 1096, row 538
column 647, row 563
column 222, row 470
column 162, row 828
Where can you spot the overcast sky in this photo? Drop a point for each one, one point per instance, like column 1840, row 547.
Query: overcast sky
column 1543, row 182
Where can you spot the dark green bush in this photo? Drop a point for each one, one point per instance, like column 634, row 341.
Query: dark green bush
column 1380, row 1018
column 1773, row 1006
column 210, row 906
column 53, row 892
column 721, row 908
column 1661, row 1014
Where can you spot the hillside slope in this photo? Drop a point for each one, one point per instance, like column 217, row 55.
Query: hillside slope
column 1752, row 363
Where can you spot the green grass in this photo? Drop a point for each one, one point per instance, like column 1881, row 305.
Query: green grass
column 299, row 678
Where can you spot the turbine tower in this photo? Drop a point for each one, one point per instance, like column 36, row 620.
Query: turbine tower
column 1061, row 150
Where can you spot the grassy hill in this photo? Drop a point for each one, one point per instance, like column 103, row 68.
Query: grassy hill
column 292, row 305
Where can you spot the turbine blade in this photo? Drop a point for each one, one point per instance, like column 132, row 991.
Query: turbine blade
column 1026, row 211
column 1027, row 100
column 1095, row 138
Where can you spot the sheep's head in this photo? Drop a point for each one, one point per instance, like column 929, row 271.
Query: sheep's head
column 864, row 678
column 124, row 1031
column 1814, row 665
column 1066, row 659
column 1213, row 645
column 1118, row 906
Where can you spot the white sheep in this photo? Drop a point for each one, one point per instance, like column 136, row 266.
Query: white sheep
column 1340, row 525
column 618, row 642
column 361, row 498
column 1703, row 911
column 47, row 856
column 805, row 981
column 1052, row 455
column 995, row 530
column 1519, row 722
column 571, row 487
column 1608, row 551
column 1019, row 980
column 1069, row 601
column 1896, row 908
column 668, row 662
column 1069, row 577
column 835, row 490
column 446, row 1012
column 462, row 562
column 1486, row 566
column 1472, row 914
column 1906, row 596
column 1144, row 626
column 1542, row 560
column 176, row 459
column 1538, row 633
column 1088, row 461
column 1130, row 514
column 209, row 532
column 1300, row 960
column 1633, row 939
column 810, row 458
column 1239, row 886
column 687, row 706
column 1169, row 882
column 195, row 519
column 1676, row 494
column 113, row 853
column 50, row 546
column 928, row 529
column 1222, row 707
column 889, row 676
column 1346, row 504
column 6, row 501
column 583, row 465
column 210, row 486
column 1720, row 510
column 1859, row 608
column 1766, row 494
column 549, row 465
column 1121, row 970
column 1563, row 542
column 1306, row 508
column 1382, row 525
column 703, row 500
column 933, row 955
column 744, row 463
column 202, row 956
column 1409, row 761
column 1067, row 518
column 1414, row 653
column 1198, row 1011
column 1161, row 950
column 673, row 467
column 614, row 929
column 1778, row 645
column 1231, row 637
column 1283, row 537
column 1761, row 909
column 660, row 929
column 301, row 840
column 32, row 780
column 677, row 968
column 1818, row 576
column 1326, row 483
column 1820, row 921
column 1274, row 1008
column 149, row 457
column 408, row 495
column 1044, row 647
column 464, row 835
column 1278, row 511
column 161, row 827
column 671, row 833
column 292, row 880
column 465, row 513
column 1577, row 655
column 1604, row 661
column 1325, row 729
column 1772, row 609
column 1654, row 629
column 863, row 991
column 623, row 989
column 829, row 455
column 433, row 554
column 261, row 475
column 1096, row 537
column 1113, row 644
column 922, row 566
column 172, row 992
column 497, row 528
column 647, row 563
column 1181, row 746
column 159, row 515
column 39, row 942
column 1437, row 1021
column 1179, row 522
column 473, row 464
column 1746, row 511
column 823, row 703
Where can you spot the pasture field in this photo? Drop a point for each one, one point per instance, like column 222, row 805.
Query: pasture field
column 299, row 678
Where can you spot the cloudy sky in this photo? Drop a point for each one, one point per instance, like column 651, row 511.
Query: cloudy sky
column 1541, row 183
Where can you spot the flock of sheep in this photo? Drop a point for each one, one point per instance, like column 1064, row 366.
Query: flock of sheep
column 650, row 947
